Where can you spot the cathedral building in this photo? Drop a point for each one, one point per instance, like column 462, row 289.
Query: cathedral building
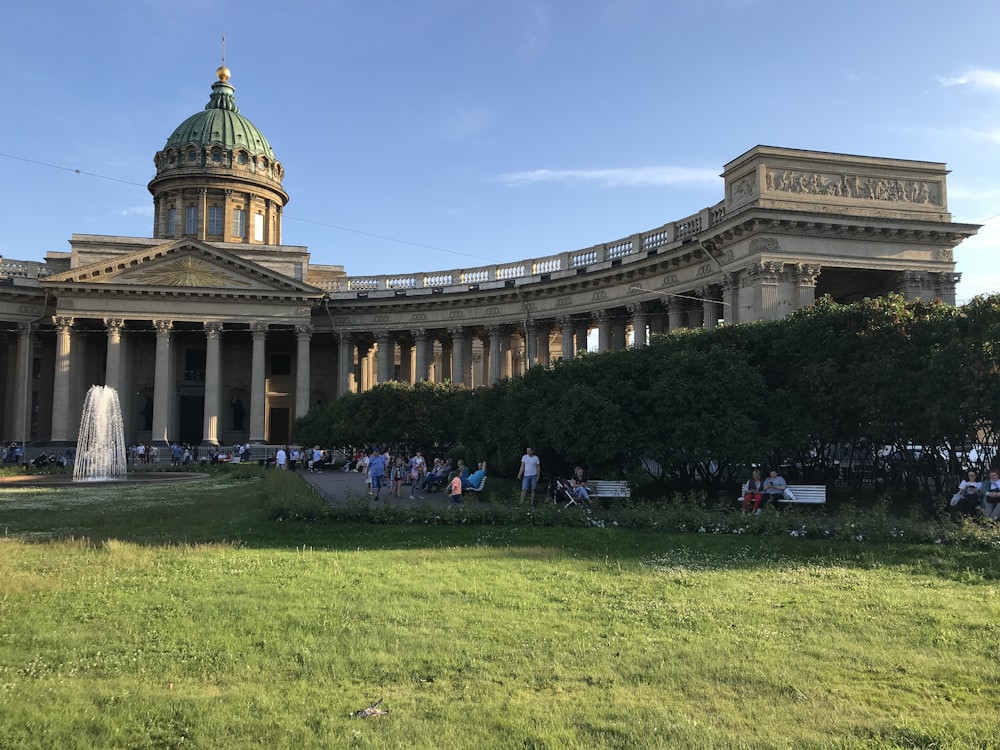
column 214, row 332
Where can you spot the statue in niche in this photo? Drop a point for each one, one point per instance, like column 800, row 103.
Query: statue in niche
column 239, row 412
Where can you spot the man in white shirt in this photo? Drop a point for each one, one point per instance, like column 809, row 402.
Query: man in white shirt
column 530, row 471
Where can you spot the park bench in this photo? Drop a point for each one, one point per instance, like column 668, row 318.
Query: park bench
column 609, row 488
column 478, row 487
column 806, row 494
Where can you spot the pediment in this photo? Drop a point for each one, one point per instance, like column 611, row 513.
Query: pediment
column 181, row 265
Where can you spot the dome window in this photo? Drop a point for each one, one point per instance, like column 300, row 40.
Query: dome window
column 216, row 155
column 242, row 157
column 192, row 155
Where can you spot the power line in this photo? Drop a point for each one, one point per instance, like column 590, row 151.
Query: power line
column 286, row 216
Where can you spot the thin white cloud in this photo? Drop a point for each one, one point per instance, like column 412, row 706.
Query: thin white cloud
column 535, row 32
column 133, row 211
column 621, row 177
column 977, row 78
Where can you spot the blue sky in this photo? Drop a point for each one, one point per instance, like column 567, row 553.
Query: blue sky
column 438, row 134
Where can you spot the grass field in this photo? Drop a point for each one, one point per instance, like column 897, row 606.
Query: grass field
column 189, row 616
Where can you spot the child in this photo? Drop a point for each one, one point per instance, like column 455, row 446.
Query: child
column 455, row 488
column 398, row 473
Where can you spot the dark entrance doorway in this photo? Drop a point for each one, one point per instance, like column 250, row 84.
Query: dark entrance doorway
column 192, row 419
column 279, row 432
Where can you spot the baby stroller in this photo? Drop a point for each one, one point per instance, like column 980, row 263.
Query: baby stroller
column 562, row 493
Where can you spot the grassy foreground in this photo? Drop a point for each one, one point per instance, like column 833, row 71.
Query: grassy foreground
column 188, row 616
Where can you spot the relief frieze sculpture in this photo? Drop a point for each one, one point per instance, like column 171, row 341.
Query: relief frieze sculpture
column 854, row 186
column 188, row 272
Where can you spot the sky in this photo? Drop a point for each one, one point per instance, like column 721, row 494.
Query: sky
column 422, row 135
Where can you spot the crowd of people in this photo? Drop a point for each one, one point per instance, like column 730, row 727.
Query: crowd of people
column 404, row 471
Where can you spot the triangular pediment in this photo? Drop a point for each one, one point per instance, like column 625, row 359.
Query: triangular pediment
column 181, row 265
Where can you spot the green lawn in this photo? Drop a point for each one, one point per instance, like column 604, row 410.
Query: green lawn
column 187, row 616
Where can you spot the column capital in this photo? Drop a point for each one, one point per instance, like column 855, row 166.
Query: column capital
column 163, row 326
column 259, row 330
column 113, row 324
column 806, row 273
column 419, row 334
column 566, row 321
column 25, row 328
column 531, row 325
column 213, row 328
column 382, row 334
column 637, row 308
column 304, row 332
column 63, row 321
column 457, row 332
column 601, row 316
column 495, row 329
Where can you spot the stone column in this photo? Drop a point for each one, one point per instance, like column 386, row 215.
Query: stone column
column 213, row 383
column 618, row 333
column 405, row 359
column 345, row 362
column 640, row 319
column 675, row 313
column 582, row 333
column 946, row 283
column 303, row 335
column 457, row 355
column 805, row 281
column 603, row 321
column 542, row 345
column 766, row 299
column 258, row 383
column 696, row 310
column 161, row 383
column 22, row 393
column 530, row 344
column 730, row 294
column 566, row 328
column 384, row 356
column 113, row 360
column 61, row 421
column 423, row 360
column 495, row 332
column 447, row 358
column 202, row 213
column 709, row 307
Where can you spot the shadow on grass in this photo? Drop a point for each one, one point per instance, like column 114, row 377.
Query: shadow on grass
column 255, row 509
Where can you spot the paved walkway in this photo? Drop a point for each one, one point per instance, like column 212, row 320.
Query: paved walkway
column 339, row 487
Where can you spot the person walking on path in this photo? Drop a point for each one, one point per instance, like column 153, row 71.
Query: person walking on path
column 530, row 471
column 376, row 472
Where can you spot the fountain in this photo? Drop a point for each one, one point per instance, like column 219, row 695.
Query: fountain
column 100, row 452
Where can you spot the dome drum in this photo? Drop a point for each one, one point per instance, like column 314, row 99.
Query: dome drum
column 211, row 157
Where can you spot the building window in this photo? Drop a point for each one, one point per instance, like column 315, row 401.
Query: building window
column 239, row 222
column 258, row 227
column 215, row 219
column 242, row 157
column 191, row 220
column 171, row 222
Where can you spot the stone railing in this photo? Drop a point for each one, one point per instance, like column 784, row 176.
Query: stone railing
column 609, row 252
column 22, row 269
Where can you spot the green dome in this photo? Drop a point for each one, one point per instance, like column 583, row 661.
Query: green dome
column 220, row 123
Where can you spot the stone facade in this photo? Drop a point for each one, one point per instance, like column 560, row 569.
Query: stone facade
column 216, row 339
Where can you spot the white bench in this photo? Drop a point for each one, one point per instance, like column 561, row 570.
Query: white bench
column 806, row 494
column 609, row 488
column 477, row 487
